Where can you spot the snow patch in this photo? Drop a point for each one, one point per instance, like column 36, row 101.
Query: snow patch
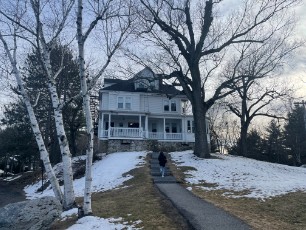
column 107, row 174
column 248, row 177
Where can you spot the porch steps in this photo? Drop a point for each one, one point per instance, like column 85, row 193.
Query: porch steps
column 155, row 173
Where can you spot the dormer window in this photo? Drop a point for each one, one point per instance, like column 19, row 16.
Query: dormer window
column 141, row 85
column 146, row 80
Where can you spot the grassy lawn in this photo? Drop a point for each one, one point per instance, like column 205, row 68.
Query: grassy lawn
column 137, row 200
column 287, row 212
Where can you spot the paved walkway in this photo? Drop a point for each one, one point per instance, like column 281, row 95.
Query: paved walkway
column 199, row 213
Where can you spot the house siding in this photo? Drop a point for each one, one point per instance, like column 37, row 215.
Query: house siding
column 104, row 104
column 113, row 101
column 140, row 103
column 155, row 104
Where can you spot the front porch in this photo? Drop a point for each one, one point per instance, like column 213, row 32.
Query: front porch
column 145, row 127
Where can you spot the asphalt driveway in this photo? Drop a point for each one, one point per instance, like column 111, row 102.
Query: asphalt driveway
column 10, row 193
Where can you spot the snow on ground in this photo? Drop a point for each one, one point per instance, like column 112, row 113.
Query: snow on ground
column 261, row 179
column 93, row 222
column 106, row 174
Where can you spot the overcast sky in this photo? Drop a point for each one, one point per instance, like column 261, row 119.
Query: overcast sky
column 298, row 71
column 295, row 72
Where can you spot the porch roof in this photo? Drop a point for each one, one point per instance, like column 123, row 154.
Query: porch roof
column 155, row 115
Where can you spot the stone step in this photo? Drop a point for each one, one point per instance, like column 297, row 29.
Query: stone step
column 154, row 161
column 166, row 179
column 157, row 173
column 157, row 167
column 154, row 155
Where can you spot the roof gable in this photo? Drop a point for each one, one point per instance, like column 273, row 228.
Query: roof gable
column 144, row 81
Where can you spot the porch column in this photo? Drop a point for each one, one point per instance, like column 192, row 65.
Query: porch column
column 183, row 130
column 164, row 128
column 147, row 126
column 102, row 133
column 140, row 127
column 109, row 124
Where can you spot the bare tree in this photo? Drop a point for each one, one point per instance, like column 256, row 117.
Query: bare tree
column 42, row 31
column 258, row 93
column 114, row 19
column 44, row 155
column 194, row 41
column 224, row 128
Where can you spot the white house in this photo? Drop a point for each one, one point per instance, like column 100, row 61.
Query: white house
column 143, row 108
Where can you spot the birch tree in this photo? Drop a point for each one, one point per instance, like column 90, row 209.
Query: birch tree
column 44, row 155
column 50, row 18
column 193, row 37
column 114, row 18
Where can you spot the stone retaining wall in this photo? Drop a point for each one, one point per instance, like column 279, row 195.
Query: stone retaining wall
column 111, row 146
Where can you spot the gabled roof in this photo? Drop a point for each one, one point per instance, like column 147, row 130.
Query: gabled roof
column 128, row 86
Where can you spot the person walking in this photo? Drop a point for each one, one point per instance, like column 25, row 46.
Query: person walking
column 162, row 163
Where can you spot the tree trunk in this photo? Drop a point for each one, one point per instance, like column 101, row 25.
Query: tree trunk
column 243, row 139
column 244, row 121
column 69, row 197
column 86, row 107
column 201, row 147
column 44, row 155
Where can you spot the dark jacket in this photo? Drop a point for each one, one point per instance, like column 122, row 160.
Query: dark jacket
column 162, row 159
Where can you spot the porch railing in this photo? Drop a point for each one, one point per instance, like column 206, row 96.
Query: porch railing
column 174, row 136
column 115, row 132
column 156, row 136
column 122, row 132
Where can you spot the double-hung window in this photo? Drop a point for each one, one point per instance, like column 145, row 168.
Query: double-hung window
column 166, row 105
column 120, row 102
column 173, row 105
column 128, row 102
column 190, row 126
column 170, row 105
column 124, row 102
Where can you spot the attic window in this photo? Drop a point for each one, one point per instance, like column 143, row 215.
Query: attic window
column 141, row 85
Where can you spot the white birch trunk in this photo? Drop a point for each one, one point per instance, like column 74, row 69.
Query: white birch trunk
column 69, row 197
column 86, row 107
column 87, row 85
column 44, row 155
